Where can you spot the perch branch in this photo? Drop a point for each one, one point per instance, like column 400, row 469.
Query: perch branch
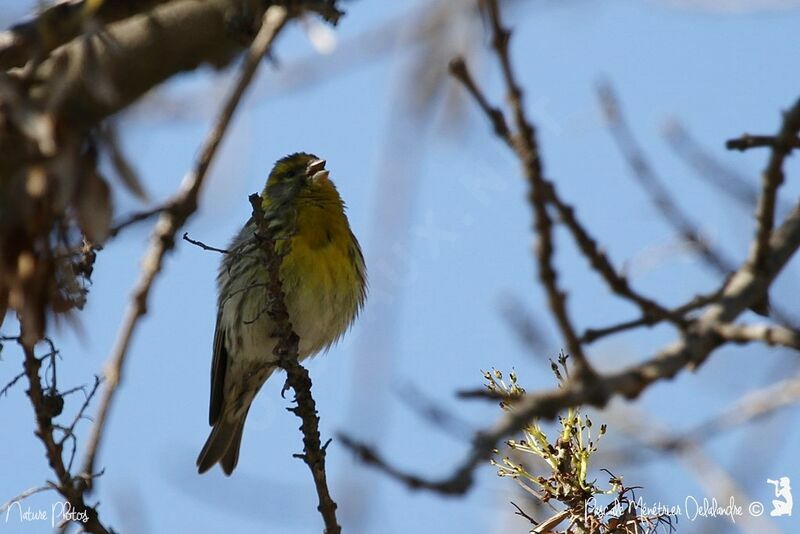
column 297, row 377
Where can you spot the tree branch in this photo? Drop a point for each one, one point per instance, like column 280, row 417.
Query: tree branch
column 297, row 377
column 124, row 53
column 24, row 495
column 746, row 142
column 526, row 146
column 60, row 23
column 203, row 245
column 771, row 180
column 772, row 335
column 590, row 335
column 70, row 487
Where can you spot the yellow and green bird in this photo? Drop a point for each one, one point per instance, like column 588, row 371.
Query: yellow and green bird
column 324, row 282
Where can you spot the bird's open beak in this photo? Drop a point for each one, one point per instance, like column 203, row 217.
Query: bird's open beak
column 316, row 170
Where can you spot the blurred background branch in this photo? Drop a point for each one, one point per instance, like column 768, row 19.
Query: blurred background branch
column 700, row 336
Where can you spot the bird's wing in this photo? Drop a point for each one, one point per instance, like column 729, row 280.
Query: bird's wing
column 218, row 367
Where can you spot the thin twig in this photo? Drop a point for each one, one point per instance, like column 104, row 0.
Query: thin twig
column 134, row 218
column 203, row 245
column 13, row 381
column 524, row 324
column 747, row 141
column 297, row 377
column 66, row 485
column 771, row 180
column 590, row 335
column 431, row 411
column 24, row 495
column 173, row 218
column 521, row 513
column 370, row 456
column 672, row 213
column 78, row 416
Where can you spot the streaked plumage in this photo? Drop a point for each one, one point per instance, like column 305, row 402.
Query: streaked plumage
column 324, row 282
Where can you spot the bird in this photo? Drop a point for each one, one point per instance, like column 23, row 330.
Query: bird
column 323, row 276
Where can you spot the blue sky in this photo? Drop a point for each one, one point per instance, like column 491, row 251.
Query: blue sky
column 451, row 200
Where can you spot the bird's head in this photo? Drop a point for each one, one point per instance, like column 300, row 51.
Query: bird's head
column 299, row 182
column 298, row 177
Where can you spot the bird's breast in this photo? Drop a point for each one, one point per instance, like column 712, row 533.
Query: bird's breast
column 323, row 283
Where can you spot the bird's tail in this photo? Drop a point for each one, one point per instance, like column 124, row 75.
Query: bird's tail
column 222, row 445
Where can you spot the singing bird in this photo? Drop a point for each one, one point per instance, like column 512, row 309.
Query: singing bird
column 324, row 282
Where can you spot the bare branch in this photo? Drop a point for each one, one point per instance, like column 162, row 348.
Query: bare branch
column 107, row 134
column 371, row 457
column 772, row 335
column 746, row 142
column 78, row 416
column 24, row 495
column 524, row 324
column 749, row 408
column 771, row 180
column 58, row 24
column 11, row 383
column 663, row 201
column 590, row 335
column 430, row 410
column 297, row 377
column 203, row 245
column 42, row 405
column 135, row 218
